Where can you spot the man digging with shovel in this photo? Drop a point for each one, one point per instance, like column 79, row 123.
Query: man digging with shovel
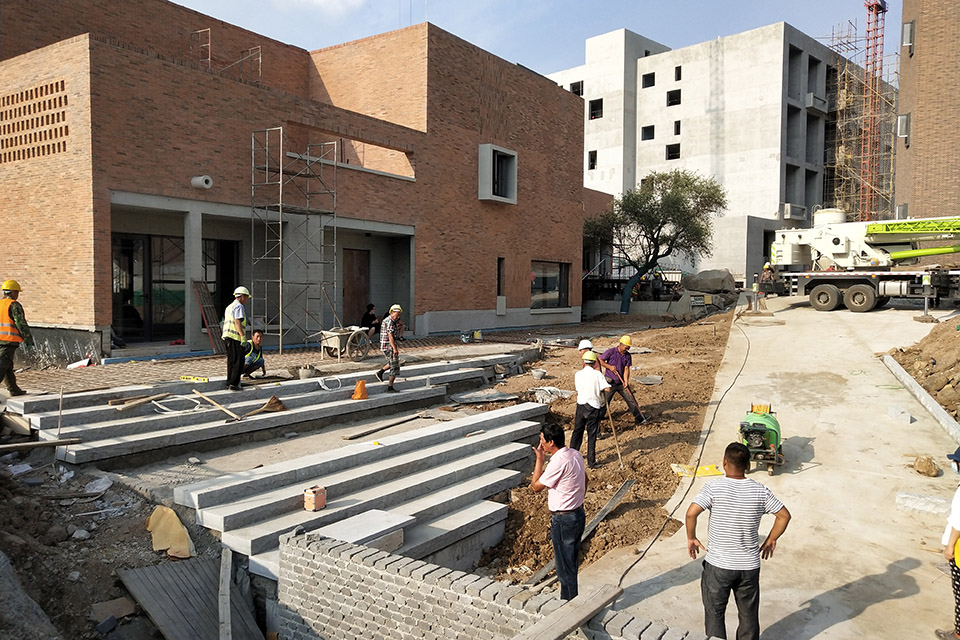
column 616, row 362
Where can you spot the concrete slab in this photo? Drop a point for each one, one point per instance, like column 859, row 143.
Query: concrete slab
column 432, row 536
column 851, row 565
column 366, row 526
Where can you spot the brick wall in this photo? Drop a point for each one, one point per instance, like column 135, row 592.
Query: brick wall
column 335, row 590
column 928, row 171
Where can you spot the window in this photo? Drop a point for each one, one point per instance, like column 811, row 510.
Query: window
column 646, row 133
column 647, row 80
column 903, row 128
column 646, row 52
column 497, row 175
column 677, row 73
column 907, row 35
column 676, row 127
column 549, row 285
column 500, row 287
column 591, row 160
column 673, row 97
column 596, row 109
column 673, row 151
column 576, row 88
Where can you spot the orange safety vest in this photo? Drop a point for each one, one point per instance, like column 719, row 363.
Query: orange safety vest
column 8, row 330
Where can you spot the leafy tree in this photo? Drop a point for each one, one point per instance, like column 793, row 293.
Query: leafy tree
column 670, row 214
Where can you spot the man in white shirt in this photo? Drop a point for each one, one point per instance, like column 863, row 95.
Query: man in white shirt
column 590, row 384
column 566, row 482
column 732, row 563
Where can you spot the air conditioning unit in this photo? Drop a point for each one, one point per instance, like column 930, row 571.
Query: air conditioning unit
column 792, row 211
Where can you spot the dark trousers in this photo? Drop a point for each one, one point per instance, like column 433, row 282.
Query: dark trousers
column 234, row 361
column 254, row 366
column 616, row 387
column 7, row 349
column 715, row 587
column 566, row 529
column 587, row 418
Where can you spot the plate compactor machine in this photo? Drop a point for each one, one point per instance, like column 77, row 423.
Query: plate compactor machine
column 760, row 432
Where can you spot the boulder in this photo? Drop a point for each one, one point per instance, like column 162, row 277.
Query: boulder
column 709, row 281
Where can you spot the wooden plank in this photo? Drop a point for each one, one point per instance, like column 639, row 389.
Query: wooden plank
column 117, row 401
column 210, row 315
column 181, row 600
column 589, row 529
column 17, row 424
column 572, row 615
column 141, row 401
column 392, row 423
column 23, row 446
column 226, row 567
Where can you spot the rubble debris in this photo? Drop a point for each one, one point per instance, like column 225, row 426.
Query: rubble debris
column 925, row 465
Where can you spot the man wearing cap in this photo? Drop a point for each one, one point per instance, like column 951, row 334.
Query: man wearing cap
column 616, row 362
column 13, row 331
column 235, row 336
column 950, row 552
column 566, row 482
column 388, row 345
column 590, row 384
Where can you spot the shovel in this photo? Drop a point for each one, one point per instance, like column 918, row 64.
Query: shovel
column 616, row 439
column 273, row 404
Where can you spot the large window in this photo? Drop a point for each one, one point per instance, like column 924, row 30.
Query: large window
column 549, row 285
column 497, row 174
column 596, row 108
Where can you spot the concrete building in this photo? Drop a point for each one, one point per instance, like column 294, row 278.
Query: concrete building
column 456, row 177
column 750, row 109
column 928, row 145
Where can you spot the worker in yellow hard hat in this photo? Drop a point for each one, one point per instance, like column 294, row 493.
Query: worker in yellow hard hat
column 235, row 336
column 13, row 331
column 616, row 362
column 590, row 385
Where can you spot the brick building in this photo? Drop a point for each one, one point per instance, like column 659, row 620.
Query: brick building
column 928, row 149
column 457, row 175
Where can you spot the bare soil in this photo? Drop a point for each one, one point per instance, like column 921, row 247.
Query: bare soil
column 34, row 520
column 934, row 363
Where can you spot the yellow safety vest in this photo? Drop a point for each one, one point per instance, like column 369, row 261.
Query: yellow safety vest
column 229, row 326
column 8, row 330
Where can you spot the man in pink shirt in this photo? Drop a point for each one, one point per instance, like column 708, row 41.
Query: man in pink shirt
column 566, row 482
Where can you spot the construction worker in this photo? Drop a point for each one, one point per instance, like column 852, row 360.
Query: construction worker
column 584, row 347
column 253, row 356
column 13, row 331
column 590, row 385
column 235, row 336
column 616, row 361
column 388, row 345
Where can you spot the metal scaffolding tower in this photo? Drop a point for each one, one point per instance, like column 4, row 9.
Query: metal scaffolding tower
column 861, row 162
column 293, row 234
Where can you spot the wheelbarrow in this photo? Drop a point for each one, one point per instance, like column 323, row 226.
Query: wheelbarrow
column 350, row 342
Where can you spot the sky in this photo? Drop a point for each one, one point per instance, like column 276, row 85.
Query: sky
column 543, row 35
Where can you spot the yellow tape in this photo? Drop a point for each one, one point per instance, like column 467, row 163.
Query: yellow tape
column 194, row 379
column 687, row 470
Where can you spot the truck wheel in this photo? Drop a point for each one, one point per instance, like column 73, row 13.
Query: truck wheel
column 860, row 298
column 825, row 297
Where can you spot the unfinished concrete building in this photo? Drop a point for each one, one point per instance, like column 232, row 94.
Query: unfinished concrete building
column 409, row 167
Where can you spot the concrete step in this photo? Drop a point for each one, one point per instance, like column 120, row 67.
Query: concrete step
column 50, row 403
column 236, row 486
column 434, row 535
column 140, row 442
column 439, row 463
column 263, row 535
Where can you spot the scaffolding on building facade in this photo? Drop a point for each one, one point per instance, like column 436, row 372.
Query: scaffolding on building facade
column 860, row 158
column 293, row 235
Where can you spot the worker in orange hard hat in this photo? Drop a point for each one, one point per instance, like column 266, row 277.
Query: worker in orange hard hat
column 13, row 331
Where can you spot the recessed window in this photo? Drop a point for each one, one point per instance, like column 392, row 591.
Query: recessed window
column 591, row 160
column 673, row 97
column 676, row 127
column 497, row 176
column 677, row 73
column 549, row 285
column 646, row 133
column 647, row 80
column 646, row 52
column 673, row 151
column 596, row 108
column 576, row 88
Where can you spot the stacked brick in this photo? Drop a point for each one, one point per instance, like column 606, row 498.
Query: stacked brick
column 332, row 590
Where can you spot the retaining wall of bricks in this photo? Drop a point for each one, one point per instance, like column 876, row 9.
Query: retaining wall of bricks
column 336, row 590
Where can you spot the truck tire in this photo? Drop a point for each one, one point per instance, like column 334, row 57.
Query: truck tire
column 825, row 297
column 860, row 298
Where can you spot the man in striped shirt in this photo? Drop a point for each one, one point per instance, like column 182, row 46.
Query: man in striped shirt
column 732, row 563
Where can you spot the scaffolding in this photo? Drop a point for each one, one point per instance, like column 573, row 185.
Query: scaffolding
column 247, row 68
column 860, row 159
column 293, row 234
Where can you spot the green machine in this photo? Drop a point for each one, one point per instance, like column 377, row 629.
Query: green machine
column 760, row 432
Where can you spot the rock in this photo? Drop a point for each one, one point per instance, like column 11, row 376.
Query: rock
column 290, row 434
column 99, row 485
column 81, row 534
column 32, row 482
column 67, row 502
column 925, row 465
column 107, row 625
column 55, row 534
column 194, row 461
column 73, row 576
column 71, row 528
column 948, row 396
column 22, row 617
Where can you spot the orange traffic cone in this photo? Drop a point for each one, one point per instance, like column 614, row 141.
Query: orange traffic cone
column 360, row 390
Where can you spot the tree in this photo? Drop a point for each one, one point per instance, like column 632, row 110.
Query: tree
column 671, row 213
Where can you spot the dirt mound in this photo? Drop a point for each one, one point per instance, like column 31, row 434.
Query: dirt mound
column 934, row 363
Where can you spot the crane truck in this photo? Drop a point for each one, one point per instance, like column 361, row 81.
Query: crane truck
column 861, row 264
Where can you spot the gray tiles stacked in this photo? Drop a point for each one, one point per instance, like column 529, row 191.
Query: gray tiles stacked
column 438, row 475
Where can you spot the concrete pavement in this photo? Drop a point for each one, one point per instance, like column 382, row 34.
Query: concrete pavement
column 851, row 564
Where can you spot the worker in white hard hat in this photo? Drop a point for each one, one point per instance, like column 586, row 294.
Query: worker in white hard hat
column 584, row 346
column 388, row 345
column 235, row 336
column 616, row 362
column 590, row 385
column 13, row 331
